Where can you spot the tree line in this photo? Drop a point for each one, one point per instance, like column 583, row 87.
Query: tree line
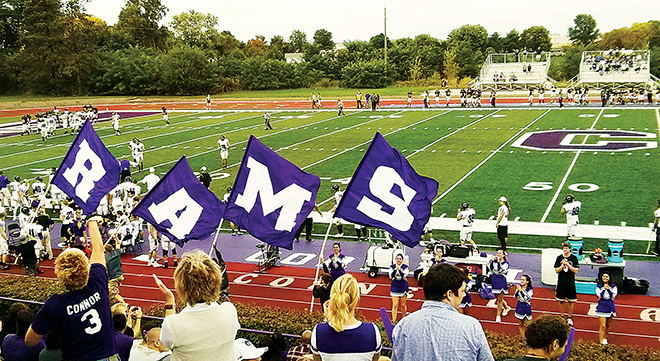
column 54, row 47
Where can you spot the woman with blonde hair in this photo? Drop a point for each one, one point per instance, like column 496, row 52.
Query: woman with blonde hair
column 343, row 336
column 204, row 329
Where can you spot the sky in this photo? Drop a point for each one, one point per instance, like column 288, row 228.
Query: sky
column 360, row 20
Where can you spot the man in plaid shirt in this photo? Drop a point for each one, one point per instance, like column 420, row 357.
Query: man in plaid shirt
column 302, row 349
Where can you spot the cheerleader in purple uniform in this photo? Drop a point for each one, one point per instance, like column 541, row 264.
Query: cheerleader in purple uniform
column 336, row 263
column 606, row 293
column 438, row 256
column 524, row 293
column 399, row 288
column 466, row 302
column 498, row 268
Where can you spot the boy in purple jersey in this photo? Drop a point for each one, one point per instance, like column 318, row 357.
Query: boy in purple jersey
column 83, row 312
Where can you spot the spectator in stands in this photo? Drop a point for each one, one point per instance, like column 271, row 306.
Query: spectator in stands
column 343, row 334
column 27, row 252
column 150, row 349
column 123, row 343
column 302, row 349
column 566, row 267
column 14, row 347
column 8, row 324
column 438, row 331
column 83, row 312
column 546, row 337
column 322, row 289
column 276, row 347
column 53, row 350
column 244, row 350
column 194, row 332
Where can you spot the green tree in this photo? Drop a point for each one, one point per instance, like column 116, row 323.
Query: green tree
column 585, row 31
column 496, row 42
column 638, row 36
column 133, row 70
column 378, row 41
column 451, row 66
column 185, row 71
column 298, row 41
column 278, row 47
column 11, row 18
column 140, row 18
column 536, row 38
column 195, row 29
column 226, row 44
column 367, row 74
column 474, row 37
column 511, row 42
column 323, row 38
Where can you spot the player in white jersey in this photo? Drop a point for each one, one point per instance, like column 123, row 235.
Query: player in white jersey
column 168, row 245
column 223, row 145
column 17, row 198
column 116, row 199
column 150, row 180
column 338, row 221
column 67, row 215
column 137, row 150
column 466, row 214
column 115, row 123
column 38, row 187
column 571, row 208
column 166, row 117
column 4, row 241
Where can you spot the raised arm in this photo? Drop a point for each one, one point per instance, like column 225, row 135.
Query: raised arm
column 97, row 255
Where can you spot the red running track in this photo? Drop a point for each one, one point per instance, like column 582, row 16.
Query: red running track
column 289, row 287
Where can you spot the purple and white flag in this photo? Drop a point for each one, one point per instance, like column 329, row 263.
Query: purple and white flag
column 181, row 207
column 387, row 193
column 271, row 197
column 88, row 171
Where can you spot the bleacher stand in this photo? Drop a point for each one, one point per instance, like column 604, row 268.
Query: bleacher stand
column 508, row 71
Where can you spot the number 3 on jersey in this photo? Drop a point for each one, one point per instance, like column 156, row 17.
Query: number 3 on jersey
column 93, row 317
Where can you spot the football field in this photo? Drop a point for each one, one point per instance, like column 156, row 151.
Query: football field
column 608, row 158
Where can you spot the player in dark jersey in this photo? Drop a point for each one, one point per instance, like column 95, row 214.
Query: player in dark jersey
column 83, row 312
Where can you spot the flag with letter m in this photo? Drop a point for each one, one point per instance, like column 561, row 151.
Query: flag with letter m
column 180, row 206
column 387, row 193
column 88, row 171
column 271, row 197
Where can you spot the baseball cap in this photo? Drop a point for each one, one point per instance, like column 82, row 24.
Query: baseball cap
column 245, row 350
column 502, row 199
column 152, row 170
column 204, row 167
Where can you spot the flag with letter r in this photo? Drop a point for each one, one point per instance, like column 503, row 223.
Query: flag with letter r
column 271, row 197
column 88, row 171
column 181, row 207
column 387, row 193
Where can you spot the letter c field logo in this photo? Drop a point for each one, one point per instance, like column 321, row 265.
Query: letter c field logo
column 587, row 140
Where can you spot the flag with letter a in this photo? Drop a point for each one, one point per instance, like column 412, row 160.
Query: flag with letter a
column 181, row 207
column 88, row 171
column 387, row 193
column 271, row 197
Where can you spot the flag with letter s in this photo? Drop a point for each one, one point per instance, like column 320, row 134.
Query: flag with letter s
column 387, row 193
column 271, row 196
column 181, row 207
column 88, row 171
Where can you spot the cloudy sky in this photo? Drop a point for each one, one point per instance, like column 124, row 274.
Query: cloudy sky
column 362, row 19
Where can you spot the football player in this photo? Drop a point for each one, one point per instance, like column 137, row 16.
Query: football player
column 571, row 208
column 466, row 214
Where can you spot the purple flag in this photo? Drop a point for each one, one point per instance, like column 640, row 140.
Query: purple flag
column 88, row 171
column 271, row 197
column 387, row 193
column 181, row 207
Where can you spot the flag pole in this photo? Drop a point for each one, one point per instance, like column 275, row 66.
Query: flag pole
column 215, row 239
column 318, row 265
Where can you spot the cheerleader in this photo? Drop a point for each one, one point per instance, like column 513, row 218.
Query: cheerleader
column 399, row 289
column 524, row 293
column 438, row 256
column 336, row 263
column 466, row 302
column 606, row 293
column 498, row 268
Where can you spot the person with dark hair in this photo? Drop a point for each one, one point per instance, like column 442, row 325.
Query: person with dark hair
column 53, row 350
column 438, row 331
column 524, row 293
column 276, row 346
column 123, row 343
column 322, row 289
column 606, row 311
column 13, row 345
column 546, row 337
column 398, row 273
column 566, row 267
column 498, row 267
column 335, row 264
column 466, row 302
column 9, row 322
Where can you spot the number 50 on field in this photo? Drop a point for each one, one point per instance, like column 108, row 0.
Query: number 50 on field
column 546, row 186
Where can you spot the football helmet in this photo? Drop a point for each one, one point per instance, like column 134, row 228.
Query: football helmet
column 335, row 187
column 569, row 198
column 465, row 205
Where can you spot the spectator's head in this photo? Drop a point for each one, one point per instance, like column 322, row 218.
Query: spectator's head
column 244, row 350
column 326, row 278
column 566, row 247
column 344, row 297
column 108, row 248
column 152, row 339
column 526, row 281
column 72, row 269
column 118, row 308
column 548, row 335
column 24, row 319
column 9, row 323
column 445, row 282
column 197, row 279
column 306, row 337
column 119, row 322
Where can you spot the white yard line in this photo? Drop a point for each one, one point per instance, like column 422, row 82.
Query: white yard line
column 458, row 182
column 568, row 172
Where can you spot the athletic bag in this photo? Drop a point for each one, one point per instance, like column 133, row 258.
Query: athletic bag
column 486, row 292
column 458, row 251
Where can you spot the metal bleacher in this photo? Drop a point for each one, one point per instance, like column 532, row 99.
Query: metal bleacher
column 513, row 75
column 615, row 69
